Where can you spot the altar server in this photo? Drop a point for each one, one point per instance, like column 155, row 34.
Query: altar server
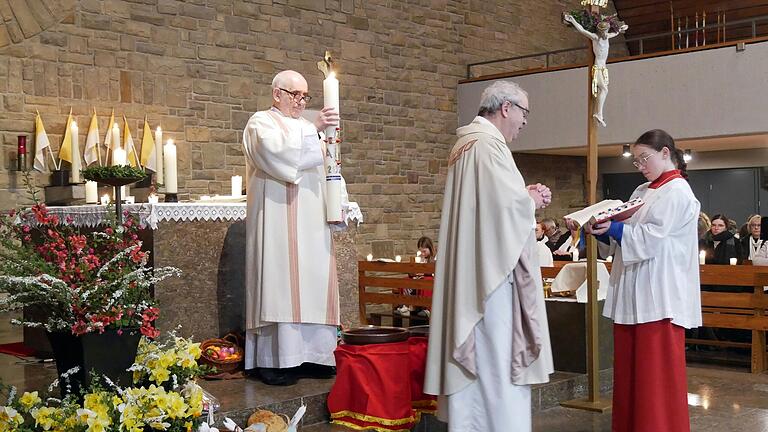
column 488, row 338
column 654, row 292
column 292, row 296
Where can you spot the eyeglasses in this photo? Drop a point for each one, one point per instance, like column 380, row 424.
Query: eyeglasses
column 525, row 111
column 643, row 161
column 297, row 96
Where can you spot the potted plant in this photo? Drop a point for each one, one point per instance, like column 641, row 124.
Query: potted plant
column 92, row 290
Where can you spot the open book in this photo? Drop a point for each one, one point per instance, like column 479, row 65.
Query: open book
column 615, row 210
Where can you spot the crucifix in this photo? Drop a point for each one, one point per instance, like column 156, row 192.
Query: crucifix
column 597, row 82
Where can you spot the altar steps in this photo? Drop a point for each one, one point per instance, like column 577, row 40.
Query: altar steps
column 240, row 398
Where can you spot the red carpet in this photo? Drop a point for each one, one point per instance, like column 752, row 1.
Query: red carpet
column 17, row 349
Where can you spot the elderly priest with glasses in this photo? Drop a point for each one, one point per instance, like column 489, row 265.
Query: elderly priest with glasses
column 489, row 339
column 292, row 296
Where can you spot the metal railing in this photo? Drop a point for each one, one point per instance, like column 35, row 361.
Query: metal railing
column 547, row 56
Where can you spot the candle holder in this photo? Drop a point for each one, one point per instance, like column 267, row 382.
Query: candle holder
column 59, row 177
column 171, row 197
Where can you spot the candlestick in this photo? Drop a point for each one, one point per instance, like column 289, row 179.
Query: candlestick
column 369, row 257
column 104, row 199
column 76, row 164
column 91, row 192
column 153, row 199
column 159, row 155
column 702, row 257
column 237, row 186
column 331, row 99
column 21, row 159
column 169, row 157
column 732, row 261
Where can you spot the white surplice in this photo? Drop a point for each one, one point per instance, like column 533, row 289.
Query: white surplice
column 488, row 338
column 291, row 279
column 655, row 274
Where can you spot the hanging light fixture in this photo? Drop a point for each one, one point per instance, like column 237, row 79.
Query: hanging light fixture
column 625, row 151
column 687, row 156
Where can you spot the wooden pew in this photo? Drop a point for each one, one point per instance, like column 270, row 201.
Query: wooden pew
column 381, row 283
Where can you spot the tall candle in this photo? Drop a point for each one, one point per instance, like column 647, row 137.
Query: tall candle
column 159, row 154
column 76, row 164
column 702, row 257
column 237, row 186
column 119, row 156
column 169, row 157
column 331, row 99
column 91, row 192
column 116, row 145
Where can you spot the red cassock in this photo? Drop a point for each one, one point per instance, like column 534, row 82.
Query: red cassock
column 650, row 391
column 380, row 386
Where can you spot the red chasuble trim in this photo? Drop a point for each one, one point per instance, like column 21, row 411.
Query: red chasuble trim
column 292, row 196
column 332, row 305
column 665, row 178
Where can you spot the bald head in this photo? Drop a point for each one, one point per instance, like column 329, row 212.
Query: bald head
column 288, row 87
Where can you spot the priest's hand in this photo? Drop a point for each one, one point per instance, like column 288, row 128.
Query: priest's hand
column 598, row 229
column 571, row 224
column 327, row 117
column 540, row 194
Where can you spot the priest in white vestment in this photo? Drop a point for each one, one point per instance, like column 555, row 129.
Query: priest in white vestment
column 489, row 339
column 292, row 296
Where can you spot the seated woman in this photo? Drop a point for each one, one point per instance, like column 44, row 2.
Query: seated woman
column 751, row 243
column 426, row 254
column 566, row 250
column 722, row 245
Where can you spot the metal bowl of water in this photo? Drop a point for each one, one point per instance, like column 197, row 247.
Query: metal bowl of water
column 374, row 335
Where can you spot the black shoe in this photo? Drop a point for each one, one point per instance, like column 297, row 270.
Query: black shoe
column 277, row 377
column 314, row 370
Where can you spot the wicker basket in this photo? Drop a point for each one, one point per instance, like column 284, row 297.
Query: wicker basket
column 227, row 366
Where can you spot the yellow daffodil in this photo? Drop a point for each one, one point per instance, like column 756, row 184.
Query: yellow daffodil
column 28, row 400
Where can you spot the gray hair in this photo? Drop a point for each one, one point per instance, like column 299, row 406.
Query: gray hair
column 498, row 93
column 282, row 78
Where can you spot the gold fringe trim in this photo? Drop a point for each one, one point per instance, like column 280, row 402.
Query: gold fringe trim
column 358, row 427
column 372, row 419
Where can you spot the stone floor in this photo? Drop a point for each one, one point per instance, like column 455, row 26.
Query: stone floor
column 720, row 398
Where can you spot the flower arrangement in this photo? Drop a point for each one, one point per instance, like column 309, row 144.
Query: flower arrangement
column 81, row 281
column 142, row 407
column 97, row 173
column 589, row 20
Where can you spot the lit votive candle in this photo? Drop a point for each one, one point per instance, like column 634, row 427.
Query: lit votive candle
column 702, row 257
column 153, row 199
column 104, row 199
column 732, row 261
column 398, row 258
column 369, row 257
column 205, row 198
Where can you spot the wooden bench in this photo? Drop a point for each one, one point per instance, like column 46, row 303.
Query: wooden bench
column 382, row 283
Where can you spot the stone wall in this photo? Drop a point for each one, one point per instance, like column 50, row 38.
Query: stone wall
column 200, row 68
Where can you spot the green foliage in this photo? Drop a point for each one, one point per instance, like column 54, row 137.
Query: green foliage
column 96, row 173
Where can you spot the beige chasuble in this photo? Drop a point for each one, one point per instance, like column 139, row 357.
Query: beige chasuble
column 486, row 238
column 290, row 264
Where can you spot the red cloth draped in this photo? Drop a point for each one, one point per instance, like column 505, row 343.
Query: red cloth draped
column 373, row 387
column 649, row 381
column 422, row 403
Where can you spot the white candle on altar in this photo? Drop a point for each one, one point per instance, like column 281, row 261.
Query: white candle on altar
column 237, row 186
column 153, row 199
column 398, row 258
column 169, row 157
column 116, row 146
column 331, row 99
column 130, row 200
column 104, row 199
column 119, row 156
column 159, row 154
column 702, row 257
column 91, row 192
column 369, row 257
column 76, row 164
column 732, row 261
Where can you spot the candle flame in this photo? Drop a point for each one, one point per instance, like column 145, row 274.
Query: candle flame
column 159, row 129
column 332, row 74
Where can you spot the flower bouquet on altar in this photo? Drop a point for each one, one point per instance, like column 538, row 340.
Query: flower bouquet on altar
column 82, row 287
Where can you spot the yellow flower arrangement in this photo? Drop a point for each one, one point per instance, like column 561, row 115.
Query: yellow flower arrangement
column 164, row 398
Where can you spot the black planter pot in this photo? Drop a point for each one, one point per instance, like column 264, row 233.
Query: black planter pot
column 59, row 178
column 108, row 354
